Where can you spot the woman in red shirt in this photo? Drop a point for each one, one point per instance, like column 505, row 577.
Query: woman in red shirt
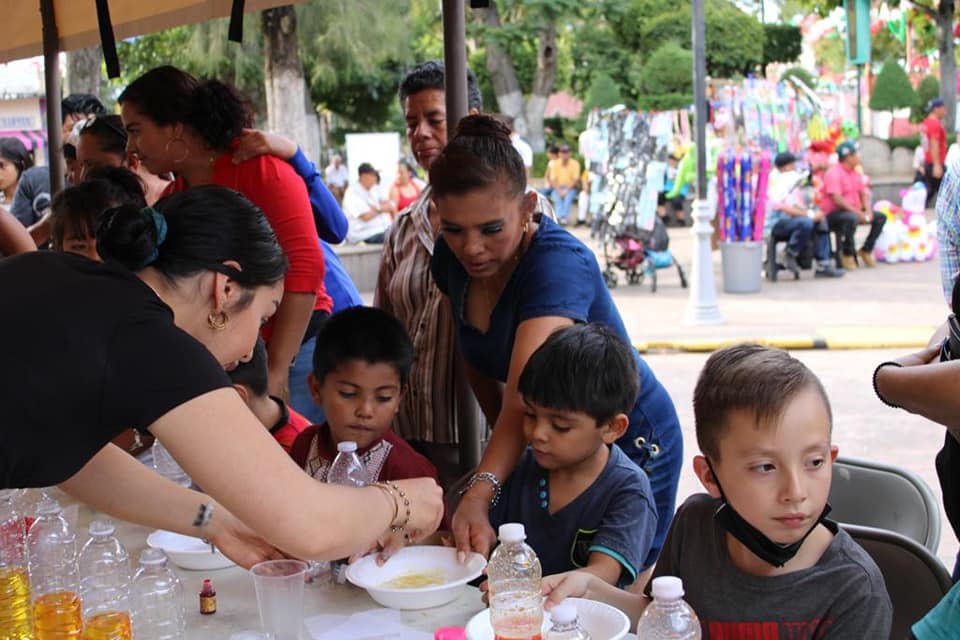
column 405, row 189
column 177, row 123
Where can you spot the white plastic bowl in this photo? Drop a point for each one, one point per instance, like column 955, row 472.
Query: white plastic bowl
column 598, row 619
column 187, row 552
column 410, row 561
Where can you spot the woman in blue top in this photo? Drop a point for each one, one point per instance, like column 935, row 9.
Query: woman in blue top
column 512, row 282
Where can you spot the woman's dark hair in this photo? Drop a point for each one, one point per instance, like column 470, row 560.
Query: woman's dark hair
column 363, row 333
column 109, row 132
column 430, row 75
column 409, row 166
column 204, row 227
column 479, row 155
column 14, row 152
column 167, row 95
column 78, row 210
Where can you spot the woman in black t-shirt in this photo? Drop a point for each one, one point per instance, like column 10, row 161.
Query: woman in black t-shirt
column 142, row 341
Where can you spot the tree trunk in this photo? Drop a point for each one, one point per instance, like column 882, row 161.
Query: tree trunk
column 948, row 63
column 542, row 82
column 285, row 87
column 84, row 74
column 503, row 74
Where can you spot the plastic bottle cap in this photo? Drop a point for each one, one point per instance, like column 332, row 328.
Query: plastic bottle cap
column 48, row 506
column 564, row 613
column 152, row 557
column 667, row 588
column 101, row 528
column 347, row 446
column 450, row 633
column 512, row 532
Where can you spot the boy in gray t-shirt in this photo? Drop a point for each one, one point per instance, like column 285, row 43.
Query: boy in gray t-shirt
column 757, row 557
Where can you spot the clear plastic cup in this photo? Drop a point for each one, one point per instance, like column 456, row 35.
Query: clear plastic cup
column 279, row 586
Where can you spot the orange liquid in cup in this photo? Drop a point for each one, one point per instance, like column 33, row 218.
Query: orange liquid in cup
column 536, row 637
column 15, row 622
column 56, row 616
column 112, row 625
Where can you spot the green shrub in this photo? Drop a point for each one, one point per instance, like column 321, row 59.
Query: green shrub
column 800, row 74
column 927, row 90
column 539, row 168
column 892, row 90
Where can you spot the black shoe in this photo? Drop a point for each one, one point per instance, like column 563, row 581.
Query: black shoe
column 828, row 272
column 790, row 261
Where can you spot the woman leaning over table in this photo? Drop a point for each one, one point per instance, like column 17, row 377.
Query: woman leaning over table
column 512, row 281
column 176, row 123
column 142, row 340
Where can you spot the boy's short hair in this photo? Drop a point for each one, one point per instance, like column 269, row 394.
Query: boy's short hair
column 430, row 74
column 253, row 373
column 362, row 333
column 79, row 209
column 587, row 368
column 747, row 377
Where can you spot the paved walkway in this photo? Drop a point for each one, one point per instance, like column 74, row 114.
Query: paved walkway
column 890, row 306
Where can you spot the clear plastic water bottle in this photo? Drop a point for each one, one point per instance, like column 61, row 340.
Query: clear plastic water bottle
column 156, row 599
column 165, row 465
column 105, row 583
column 54, row 577
column 16, row 620
column 668, row 617
column 513, row 579
column 347, row 468
column 565, row 625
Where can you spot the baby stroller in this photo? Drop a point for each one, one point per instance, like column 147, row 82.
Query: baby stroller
column 639, row 254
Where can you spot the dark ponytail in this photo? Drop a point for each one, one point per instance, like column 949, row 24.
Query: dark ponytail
column 194, row 231
column 214, row 110
column 479, row 155
column 17, row 154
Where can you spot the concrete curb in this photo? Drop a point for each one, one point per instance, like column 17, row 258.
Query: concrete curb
column 904, row 337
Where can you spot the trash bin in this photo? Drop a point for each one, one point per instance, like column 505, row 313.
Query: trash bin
column 742, row 266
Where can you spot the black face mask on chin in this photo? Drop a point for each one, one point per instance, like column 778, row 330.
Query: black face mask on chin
column 751, row 537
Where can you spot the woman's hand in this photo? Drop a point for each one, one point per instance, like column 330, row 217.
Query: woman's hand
column 471, row 526
column 254, row 142
column 239, row 542
column 924, row 356
column 560, row 586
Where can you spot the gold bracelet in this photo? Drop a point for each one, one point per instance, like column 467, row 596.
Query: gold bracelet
column 393, row 498
column 398, row 494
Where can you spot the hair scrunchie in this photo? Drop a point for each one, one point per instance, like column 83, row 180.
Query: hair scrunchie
column 160, row 224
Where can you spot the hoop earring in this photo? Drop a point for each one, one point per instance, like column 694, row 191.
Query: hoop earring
column 186, row 150
column 526, row 227
column 219, row 322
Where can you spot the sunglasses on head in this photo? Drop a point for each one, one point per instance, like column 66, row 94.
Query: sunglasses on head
column 106, row 120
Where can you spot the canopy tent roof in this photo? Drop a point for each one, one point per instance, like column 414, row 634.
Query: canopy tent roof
column 77, row 20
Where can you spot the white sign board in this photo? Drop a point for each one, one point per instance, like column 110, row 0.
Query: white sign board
column 382, row 150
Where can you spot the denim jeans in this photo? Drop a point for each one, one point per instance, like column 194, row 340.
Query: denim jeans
column 563, row 204
column 797, row 230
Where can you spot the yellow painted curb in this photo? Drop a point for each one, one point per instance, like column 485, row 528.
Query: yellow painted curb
column 890, row 337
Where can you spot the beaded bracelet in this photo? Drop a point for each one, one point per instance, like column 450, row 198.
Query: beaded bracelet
column 888, row 363
column 488, row 477
column 398, row 495
column 204, row 515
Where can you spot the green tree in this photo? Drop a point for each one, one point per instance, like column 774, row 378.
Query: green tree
column 892, row 89
column 942, row 13
column 781, row 43
column 734, row 39
column 508, row 25
column 927, row 90
column 666, row 79
column 604, row 92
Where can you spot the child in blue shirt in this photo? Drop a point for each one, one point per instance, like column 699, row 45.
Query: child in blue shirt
column 584, row 503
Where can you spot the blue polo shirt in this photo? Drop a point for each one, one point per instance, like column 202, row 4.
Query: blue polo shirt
column 615, row 515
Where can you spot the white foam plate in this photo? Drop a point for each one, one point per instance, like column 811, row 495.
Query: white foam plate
column 441, row 561
column 600, row 620
column 188, row 552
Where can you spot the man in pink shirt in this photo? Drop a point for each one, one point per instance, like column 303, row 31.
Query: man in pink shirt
column 846, row 203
